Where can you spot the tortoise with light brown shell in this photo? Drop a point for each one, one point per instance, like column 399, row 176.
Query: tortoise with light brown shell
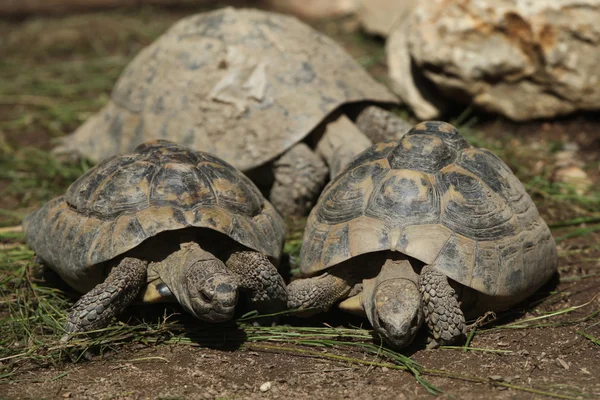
column 255, row 88
column 162, row 223
column 425, row 228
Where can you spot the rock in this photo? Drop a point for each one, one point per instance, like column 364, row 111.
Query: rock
column 314, row 9
column 378, row 17
column 568, row 169
column 265, row 387
column 575, row 177
column 519, row 58
column 406, row 80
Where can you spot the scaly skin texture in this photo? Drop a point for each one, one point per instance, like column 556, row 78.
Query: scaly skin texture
column 444, row 317
column 319, row 293
column 300, row 175
column 95, row 309
column 260, row 278
column 380, row 125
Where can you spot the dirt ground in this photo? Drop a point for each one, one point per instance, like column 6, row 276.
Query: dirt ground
column 556, row 360
column 555, row 355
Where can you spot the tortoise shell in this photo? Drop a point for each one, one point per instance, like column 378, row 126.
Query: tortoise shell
column 434, row 197
column 127, row 199
column 243, row 84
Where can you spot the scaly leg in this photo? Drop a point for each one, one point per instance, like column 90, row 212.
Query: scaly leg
column 97, row 307
column 444, row 317
column 380, row 125
column 341, row 142
column 256, row 274
column 319, row 293
column 300, row 175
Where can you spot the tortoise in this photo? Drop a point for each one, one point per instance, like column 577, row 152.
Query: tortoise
column 424, row 228
column 263, row 91
column 161, row 224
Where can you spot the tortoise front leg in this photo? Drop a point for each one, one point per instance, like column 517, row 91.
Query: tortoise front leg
column 444, row 317
column 318, row 294
column 260, row 278
column 96, row 308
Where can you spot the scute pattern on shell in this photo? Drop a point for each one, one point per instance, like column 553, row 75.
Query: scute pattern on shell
column 243, row 84
column 127, row 199
column 435, row 198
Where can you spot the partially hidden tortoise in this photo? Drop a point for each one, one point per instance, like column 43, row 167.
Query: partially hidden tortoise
column 160, row 224
column 425, row 228
column 263, row 91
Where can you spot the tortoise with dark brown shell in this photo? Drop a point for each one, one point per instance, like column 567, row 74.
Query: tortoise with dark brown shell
column 162, row 223
column 425, row 228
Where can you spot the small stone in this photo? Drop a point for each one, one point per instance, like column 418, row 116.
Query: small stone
column 265, row 387
column 563, row 363
column 575, row 177
column 66, row 395
column 496, row 378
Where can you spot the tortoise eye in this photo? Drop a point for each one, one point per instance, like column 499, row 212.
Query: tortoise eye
column 164, row 290
column 206, row 297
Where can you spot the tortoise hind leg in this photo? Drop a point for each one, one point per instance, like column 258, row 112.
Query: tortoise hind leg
column 381, row 125
column 341, row 142
column 444, row 317
column 95, row 309
column 300, row 175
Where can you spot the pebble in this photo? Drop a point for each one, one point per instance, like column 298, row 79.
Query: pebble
column 265, row 387
column 574, row 176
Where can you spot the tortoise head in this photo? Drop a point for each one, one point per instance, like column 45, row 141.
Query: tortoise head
column 392, row 302
column 200, row 282
column 396, row 312
column 210, row 296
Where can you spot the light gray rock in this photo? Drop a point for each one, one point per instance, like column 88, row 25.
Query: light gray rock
column 313, row 9
column 378, row 17
column 406, row 80
column 523, row 59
